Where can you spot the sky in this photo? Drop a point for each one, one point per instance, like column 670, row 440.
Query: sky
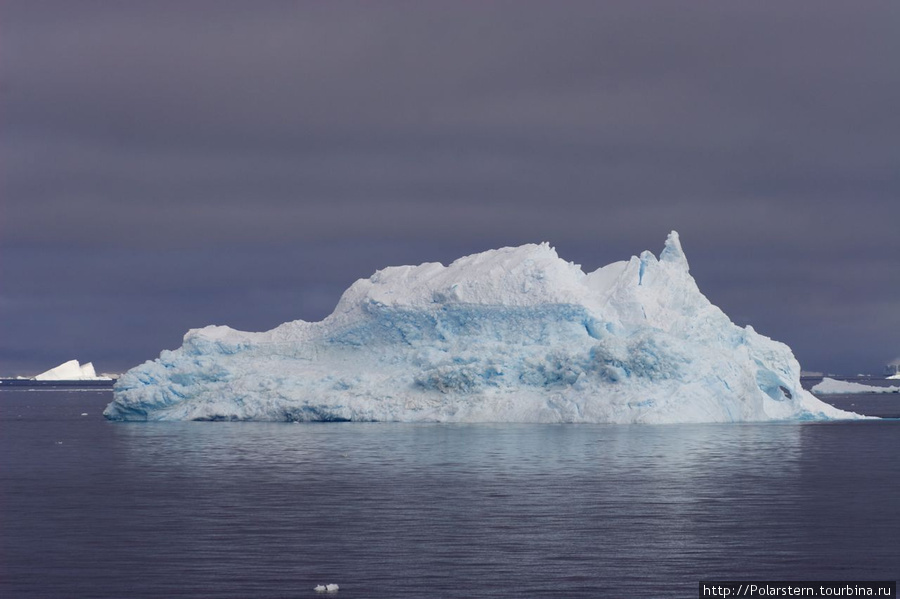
column 168, row 165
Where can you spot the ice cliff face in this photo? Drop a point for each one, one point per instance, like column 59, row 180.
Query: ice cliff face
column 508, row 335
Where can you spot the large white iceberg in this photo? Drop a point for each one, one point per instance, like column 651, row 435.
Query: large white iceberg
column 71, row 371
column 509, row 335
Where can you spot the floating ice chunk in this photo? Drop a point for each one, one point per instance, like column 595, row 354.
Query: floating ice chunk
column 830, row 386
column 508, row 335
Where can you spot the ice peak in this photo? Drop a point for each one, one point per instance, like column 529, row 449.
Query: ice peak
column 672, row 252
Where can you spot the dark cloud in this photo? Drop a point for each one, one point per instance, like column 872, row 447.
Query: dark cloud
column 170, row 164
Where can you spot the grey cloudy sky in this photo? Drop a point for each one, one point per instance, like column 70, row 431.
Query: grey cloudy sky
column 168, row 165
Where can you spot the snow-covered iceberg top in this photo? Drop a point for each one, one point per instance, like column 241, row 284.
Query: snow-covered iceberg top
column 71, row 371
column 830, row 386
column 508, row 335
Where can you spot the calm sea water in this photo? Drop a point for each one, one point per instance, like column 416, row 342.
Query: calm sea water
column 95, row 509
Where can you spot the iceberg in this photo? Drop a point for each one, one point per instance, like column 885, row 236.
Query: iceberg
column 71, row 371
column 892, row 371
column 508, row 335
column 830, row 386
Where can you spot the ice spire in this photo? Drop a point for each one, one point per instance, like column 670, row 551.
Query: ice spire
column 673, row 253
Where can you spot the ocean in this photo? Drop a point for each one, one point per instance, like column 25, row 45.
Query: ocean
column 95, row 509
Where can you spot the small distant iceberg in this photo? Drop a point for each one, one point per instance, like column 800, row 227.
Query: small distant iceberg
column 892, row 371
column 327, row 588
column 71, row 371
column 830, row 386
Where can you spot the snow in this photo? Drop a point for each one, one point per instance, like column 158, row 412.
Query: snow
column 508, row 335
column 71, row 371
column 830, row 386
